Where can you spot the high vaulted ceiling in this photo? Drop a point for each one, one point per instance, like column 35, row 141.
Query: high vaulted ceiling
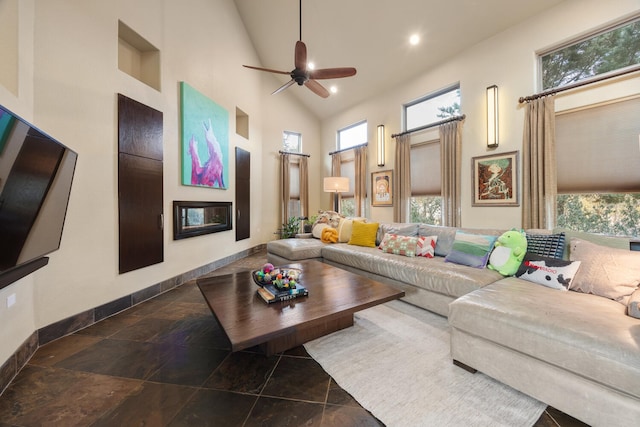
column 372, row 36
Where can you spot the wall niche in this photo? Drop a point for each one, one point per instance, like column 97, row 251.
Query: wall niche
column 137, row 57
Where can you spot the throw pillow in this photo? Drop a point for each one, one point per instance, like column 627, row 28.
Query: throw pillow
column 547, row 245
column 633, row 307
column 607, row 272
column 399, row 245
column 329, row 235
column 551, row 272
column 316, row 231
column 364, row 234
column 345, row 228
column 471, row 249
column 331, row 218
column 426, row 246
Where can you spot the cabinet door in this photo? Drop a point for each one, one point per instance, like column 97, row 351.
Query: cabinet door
column 243, row 194
column 140, row 211
column 140, row 186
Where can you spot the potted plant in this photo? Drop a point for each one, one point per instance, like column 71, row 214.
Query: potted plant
column 290, row 228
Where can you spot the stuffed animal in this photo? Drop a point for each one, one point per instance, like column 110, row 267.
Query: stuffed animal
column 508, row 252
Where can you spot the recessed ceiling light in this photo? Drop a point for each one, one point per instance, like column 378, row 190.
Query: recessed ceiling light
column 333, row 89
column 414, row 39
column 311, row 66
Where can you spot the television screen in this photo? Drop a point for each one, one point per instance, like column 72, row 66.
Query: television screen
column 36, row 173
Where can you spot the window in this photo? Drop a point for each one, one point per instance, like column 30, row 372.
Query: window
column 425, row 204
column 609, row 50
column 432, row 108
column 352, row 135
column 598, row 177
column 291, row 142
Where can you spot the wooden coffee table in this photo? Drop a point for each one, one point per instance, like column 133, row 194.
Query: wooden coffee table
column 334, row 295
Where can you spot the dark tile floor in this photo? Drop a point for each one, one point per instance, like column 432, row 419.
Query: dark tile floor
column 166, row 362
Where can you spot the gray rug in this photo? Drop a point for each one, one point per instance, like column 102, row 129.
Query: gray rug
column 395, row 362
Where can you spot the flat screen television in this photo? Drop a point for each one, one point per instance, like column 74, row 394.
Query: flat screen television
column 36, row 173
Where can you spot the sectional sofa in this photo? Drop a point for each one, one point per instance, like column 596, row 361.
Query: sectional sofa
column 576, row 351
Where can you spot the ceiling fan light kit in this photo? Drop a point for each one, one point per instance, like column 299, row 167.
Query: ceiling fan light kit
column 302, row 74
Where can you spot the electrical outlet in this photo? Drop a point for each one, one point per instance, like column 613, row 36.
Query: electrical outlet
column 11, row 300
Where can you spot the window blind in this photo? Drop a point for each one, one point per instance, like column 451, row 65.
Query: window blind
column 425, row 169
column 598, row 149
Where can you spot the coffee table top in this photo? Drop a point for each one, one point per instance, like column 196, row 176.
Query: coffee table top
column 248, row 320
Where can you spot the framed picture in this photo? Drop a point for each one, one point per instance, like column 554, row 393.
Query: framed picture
column 382, row 188
column 495, row 179
column 205, row 140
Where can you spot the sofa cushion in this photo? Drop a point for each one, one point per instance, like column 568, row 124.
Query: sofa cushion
column 471, row 249
column 446, row 235
column 431, row 274
column 633, row 306
column 364, row 234
column 296, row 249
column 607, row 272
column 580, row 333
column 599, row 239
column 551, row 272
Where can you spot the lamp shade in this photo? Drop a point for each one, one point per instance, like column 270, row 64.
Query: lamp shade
column 336, row 184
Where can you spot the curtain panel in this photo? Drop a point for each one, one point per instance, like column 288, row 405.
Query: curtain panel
column 335, row 171
column 450, row 165
column 539, row 173
column 360, row 192
column 285, row 189
column 402, row 183
column 304, row 186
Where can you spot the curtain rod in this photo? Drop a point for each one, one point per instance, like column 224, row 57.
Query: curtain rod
column 350, row 148
column 294, row 154
column 441, row 122
column 596, row 79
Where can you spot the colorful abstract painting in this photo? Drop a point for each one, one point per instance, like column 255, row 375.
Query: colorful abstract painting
column 205, row 140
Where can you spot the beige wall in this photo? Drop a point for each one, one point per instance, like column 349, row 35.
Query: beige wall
column 68, row 79
column 507, row 60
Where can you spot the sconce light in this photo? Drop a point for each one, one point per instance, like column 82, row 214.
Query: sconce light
column 380, row 145
column 336, row 184
column 492, row 116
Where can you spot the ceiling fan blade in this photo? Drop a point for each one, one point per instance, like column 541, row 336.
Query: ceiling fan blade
column 301, row 55
column 317, row 88
column 283, row 87
column 268, row 70
column 332, row 73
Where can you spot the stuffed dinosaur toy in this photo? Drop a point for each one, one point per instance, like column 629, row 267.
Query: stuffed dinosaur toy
column 508, row 252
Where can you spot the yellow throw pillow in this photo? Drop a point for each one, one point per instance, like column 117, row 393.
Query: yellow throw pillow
column 364, row 234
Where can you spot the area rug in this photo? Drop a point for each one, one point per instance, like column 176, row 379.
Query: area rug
column 395, row 362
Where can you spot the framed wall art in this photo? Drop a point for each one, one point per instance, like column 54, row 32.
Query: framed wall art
column 205, row 140
column 382, row 188
column 495, row 179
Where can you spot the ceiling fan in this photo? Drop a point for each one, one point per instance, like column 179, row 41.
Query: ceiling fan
column 302, row 75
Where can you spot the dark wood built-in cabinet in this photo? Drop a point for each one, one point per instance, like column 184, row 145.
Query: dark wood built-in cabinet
column 140, row 188
column 243, row 194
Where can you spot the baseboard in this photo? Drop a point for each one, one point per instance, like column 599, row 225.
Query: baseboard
column 12, row 366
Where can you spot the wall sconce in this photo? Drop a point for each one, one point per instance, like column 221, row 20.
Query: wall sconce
column 492, row 116
column 380, row 145
column 336, row 184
